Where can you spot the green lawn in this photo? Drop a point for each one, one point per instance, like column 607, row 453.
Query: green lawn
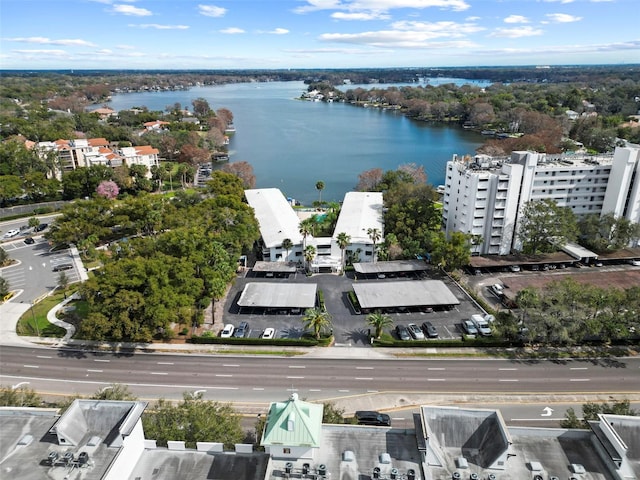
column 34, row 321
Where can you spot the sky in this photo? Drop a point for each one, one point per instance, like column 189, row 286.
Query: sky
column 277, row 34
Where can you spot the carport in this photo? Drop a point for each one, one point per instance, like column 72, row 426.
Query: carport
column 270, row 269
column 278, row 297
column 392, row 268
column 404, row 295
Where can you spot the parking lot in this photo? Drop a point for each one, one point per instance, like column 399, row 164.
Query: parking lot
column 349, row 328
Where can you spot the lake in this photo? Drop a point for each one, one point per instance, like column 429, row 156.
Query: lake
column 292, row 144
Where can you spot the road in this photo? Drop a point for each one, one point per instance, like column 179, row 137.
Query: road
column 250, row 379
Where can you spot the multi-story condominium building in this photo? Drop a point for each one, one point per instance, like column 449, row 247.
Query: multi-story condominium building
column 484, row 196
column 81, row 152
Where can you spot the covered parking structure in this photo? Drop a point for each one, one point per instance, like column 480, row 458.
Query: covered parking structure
column 404, row 295
column 274, row 269
column 393, row 268
column 283, row 298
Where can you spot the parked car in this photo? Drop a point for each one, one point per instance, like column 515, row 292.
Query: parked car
column 29, row 241
column 415, row 331
column 402, row 332
column 469, row 328
column 635, row 263
column 481, row 325
column 227, row 331
column 12, row 233
column 242, row 330
column 515, row 268
column 429, row 330
column 40, row 227
column 366, row 417
column 62, row 267
column 268, row 333
column 497, row 290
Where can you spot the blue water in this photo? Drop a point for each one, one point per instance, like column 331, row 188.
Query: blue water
column 293, row 144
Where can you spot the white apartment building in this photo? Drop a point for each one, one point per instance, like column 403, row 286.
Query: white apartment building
column 485, row 196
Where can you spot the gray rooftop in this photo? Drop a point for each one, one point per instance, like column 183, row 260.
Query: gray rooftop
column 276, row 267
column 162, row 464
column 278, row 295
column 403, row 294
column 395, row 266
column 275, row 216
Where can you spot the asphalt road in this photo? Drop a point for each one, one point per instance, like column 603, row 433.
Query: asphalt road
column 265, row 379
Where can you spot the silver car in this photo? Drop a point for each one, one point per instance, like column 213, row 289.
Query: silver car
column 415, row 331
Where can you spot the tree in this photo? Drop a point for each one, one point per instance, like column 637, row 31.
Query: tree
column 19, row 396
column 114, row 391
column 369, row 180
column 590, row 411
column 375, row 235
column 4, row 286
column 108, row 189
column 320, row 187
column 243, row 170
column 33, row 222
column 306, row 229
column 193, row 420
column 316, row 320
column 201, row 107
column 343, row 241
column 63, row 281
column 332, row 414
column 309, row 255
column 287, row 245
column 543, row 221
column 4, row 257
column 379, row 321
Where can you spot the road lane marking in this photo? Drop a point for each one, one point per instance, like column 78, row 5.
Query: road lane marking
column 258, row 388
column 159, row 373
column 436, row 379
column 230, row 365
column 223, row 375
column 315, row 390
column 43, row 356
column 165, row 363
column 579, row 379
column 105, row 361
column 295, row 378
column 297, row 366
column 364, row 378
column 94, row 371
column 143, row 385
column 31, row 366
column 507, row 369
column 344, row 391
column 435, row 369
column 508, row 380
column 546, row 419
column 579, row 368
column 364, row 368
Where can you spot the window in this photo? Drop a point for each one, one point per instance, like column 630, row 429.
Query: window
column 286, row 450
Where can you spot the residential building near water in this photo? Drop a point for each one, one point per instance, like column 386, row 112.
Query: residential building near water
column 485, row 196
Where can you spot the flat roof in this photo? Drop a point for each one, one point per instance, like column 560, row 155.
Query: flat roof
column 275, row 216
column 391, row 266
column 360, row 211
column 410, row 293
column 488, row 261
column 278, row 267
column 577, row 251
column 278, row 295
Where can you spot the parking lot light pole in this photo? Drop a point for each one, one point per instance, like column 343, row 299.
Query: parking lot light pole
column 34, row 320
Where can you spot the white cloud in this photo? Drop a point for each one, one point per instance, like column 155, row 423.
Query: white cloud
column 561, row 1
column 395, row 38
column 131, row 10
column 278, row 31
column 125, row 47
column 516, row 19
column 565, row 49
column 359, row 16
column 563, row 18
column 380, row 5
column 47, row 41
column 517, row 32
column 472, row 19
column 438, row 29
column 211, row 11
column 56, row 53
column 158, row 26
column 232, row 30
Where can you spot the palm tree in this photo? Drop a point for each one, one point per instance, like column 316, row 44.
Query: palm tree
column 306, row 229
column 374, row 235
column 316, row 320
column 287, row 244
column 320, row 187
column 309, row 255
column 379, row 321
column 343, row 240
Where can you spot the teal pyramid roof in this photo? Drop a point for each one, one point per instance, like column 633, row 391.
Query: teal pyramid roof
column 293, row 423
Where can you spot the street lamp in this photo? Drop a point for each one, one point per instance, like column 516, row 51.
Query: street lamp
column 18, row 385
column 33, row 315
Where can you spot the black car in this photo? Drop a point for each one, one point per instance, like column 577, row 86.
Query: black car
column 429, row 330
column 367, row 417
column 242, row 330
column 402, row 332
column 29, row 241
column 62, row 267
column 40, row 227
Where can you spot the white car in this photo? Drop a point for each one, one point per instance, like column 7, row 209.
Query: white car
column 268, row 333
column 12, row 233
column 635, row 263
column 227, row 331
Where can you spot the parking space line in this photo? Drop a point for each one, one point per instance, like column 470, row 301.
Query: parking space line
column 579, row 368
column 436, row 379
column 230, row 365
column 579, row 379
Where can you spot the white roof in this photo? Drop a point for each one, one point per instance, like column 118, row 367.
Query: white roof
column 360, row 211
column 278, row 295
column 275, row 216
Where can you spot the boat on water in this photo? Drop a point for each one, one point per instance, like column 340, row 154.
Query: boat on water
column 440, row 189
